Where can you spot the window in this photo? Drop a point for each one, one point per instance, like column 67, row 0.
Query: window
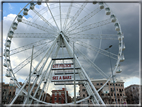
column 116, row 84
column 102, row 94
column 82, row 84
column 59, row 98
column 117, row 94
column 97, row 83
column 55, row 98
column 117, row 89
column 83, row 90
column 111, row 94
column 83, row 95
column 101, row 84
column 110, row 84
column 10, row 93
column 13, row 93
column 120, row 94
column 55, row 93
column 59, row 93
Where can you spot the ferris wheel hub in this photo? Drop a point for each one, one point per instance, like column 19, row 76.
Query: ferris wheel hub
column 60, row 40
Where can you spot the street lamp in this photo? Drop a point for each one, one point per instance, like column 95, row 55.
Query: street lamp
column 112, row 71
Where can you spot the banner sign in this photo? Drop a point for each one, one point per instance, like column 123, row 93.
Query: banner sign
column 61, row 65
column 64, row 71
column 62, row 77
column 67, row 82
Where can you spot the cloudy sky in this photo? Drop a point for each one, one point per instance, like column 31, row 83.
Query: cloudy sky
column 126, row 13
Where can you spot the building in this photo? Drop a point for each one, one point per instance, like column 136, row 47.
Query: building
column 108, row 98
column 58, row 96
column 9, row 92
column 132, row 93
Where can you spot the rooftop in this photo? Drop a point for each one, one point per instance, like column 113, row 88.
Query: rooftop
column 104, row 80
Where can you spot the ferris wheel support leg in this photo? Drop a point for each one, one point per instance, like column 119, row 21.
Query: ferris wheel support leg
column 35, row 81
column 32, row 73
column 37, row 87
column 45, row 70
column 41, row 75
column 50, row 70
column 71, row 53
column 47, row 78
column 88, row 89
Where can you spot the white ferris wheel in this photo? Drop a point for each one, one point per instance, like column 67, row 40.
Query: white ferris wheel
column 67, row 37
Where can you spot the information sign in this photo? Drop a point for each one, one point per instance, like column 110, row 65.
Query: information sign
column 62, row 77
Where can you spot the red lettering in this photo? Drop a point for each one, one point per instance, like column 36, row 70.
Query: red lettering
column 55, row 77
column 60, row 77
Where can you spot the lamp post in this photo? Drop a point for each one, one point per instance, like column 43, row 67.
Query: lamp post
column 112, row 71
column 74, row 76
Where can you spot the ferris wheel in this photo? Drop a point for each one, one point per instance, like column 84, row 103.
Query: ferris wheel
column 66, row 37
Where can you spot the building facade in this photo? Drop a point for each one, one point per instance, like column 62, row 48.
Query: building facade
column 132, row 93
column 9, row 92
column 58, row 96
column 109, row 97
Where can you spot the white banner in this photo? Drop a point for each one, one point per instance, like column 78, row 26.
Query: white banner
column 61, row 65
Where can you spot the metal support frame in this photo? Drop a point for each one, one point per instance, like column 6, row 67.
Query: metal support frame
column 70, row 51
column 54, row 42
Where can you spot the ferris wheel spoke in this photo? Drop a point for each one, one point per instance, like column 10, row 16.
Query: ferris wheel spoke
column 101, row 51
column 33, row 35
column 37, row 26
column 76, row 15
column 36, row 80
column 29, row 46
column 95, row 35
column 84, row 19
column 53, row 17
column 52, row 27
column 94, row 65
column 42, row 76
column 26, row 61
column 67, row 16
column 78, row 38
column 90, row 26
column 60, row 15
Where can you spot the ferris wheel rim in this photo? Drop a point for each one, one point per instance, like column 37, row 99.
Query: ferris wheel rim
column 118, row 61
